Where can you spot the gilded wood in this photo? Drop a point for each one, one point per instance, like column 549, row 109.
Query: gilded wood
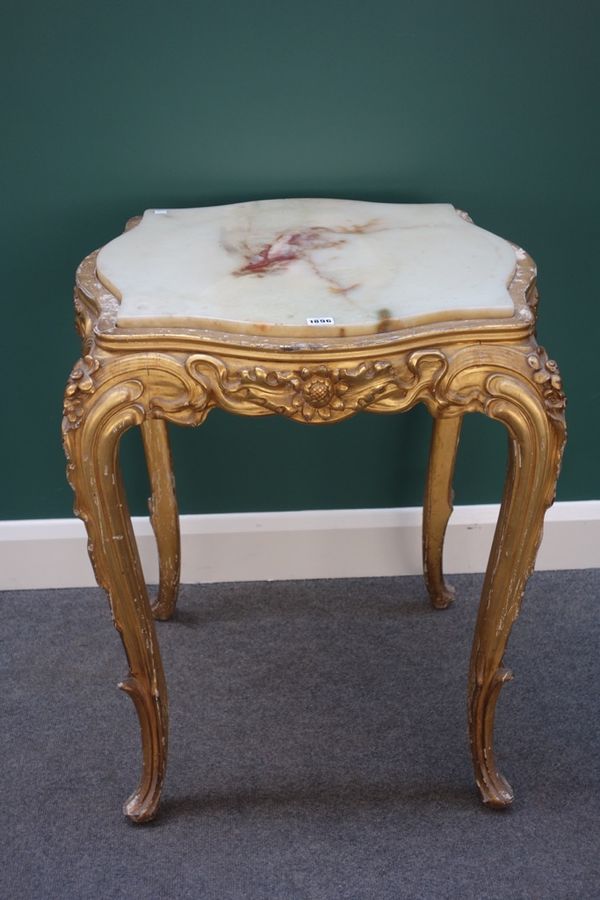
column 531, row 406
column 164, row 515
column 147, row 379
column 437, row 506
column 92, row 449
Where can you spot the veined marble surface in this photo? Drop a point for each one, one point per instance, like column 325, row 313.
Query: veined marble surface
column 274, row 266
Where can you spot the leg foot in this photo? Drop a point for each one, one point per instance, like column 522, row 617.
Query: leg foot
column 142, row 805
column 494, row 789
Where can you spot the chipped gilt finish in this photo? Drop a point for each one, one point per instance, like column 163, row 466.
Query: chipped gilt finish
column 147, row 363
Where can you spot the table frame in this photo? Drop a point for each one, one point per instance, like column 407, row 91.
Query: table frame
column 149, row 377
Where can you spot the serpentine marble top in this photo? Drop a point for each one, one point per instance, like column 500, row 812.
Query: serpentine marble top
column 307, row 267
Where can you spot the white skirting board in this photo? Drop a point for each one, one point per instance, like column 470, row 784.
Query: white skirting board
column 51, row 553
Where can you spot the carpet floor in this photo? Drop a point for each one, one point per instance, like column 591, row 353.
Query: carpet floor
column 318, row 747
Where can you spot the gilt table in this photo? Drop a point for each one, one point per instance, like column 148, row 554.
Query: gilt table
column 314, row 310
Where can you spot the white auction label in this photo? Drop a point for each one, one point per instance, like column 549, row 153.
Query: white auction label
column 320, row 320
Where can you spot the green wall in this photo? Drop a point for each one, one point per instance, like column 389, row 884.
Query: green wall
column 113, row 108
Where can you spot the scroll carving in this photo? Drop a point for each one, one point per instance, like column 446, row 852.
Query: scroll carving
column 184, row 389
column 321, row 393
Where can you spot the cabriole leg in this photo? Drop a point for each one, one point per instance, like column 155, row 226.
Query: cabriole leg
column 437, row 506
column 93, row 427
column 535, row 425
column 164, row 515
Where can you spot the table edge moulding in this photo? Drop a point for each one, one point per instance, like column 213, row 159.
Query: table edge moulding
column 147, row 373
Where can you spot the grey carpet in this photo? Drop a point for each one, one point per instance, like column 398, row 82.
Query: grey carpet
column 318, row 747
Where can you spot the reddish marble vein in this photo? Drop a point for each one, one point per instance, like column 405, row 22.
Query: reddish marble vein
column 299, row 245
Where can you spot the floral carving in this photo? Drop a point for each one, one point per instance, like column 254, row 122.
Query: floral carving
column 80, row 385
column 321, row 393
column 547, row 376
column 318, row 392
column 82, row 322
